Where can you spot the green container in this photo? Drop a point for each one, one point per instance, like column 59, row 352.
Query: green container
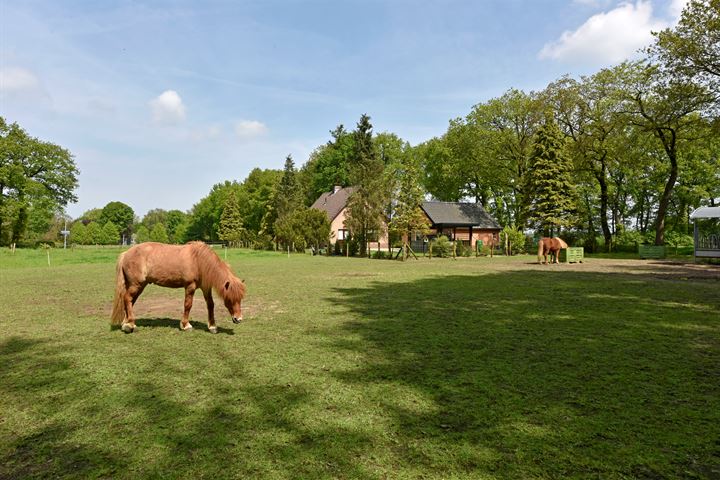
column 572, row 255
column 651, row 251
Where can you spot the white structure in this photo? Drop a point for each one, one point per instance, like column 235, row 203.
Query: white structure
column 707, row 239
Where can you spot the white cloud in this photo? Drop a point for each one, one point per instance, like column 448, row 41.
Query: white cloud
column 607, row 38
column 168, row 108
column 676, row 7
column 17, row 79
column 250, row 129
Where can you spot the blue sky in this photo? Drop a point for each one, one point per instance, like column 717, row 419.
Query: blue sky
column 160, row 100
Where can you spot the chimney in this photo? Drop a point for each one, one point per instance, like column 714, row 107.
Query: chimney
column 336, row 189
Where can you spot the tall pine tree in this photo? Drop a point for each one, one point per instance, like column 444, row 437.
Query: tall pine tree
column 550, row 180
column 288, row 196
column 365, row 218
column 287, row 199
column 231, row 227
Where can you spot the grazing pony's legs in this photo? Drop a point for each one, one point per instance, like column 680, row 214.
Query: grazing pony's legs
column 189, row 292
column 211, row 310
column 131, row 295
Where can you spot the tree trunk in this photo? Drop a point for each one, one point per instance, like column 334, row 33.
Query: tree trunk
column 604, row 201
column 669, row 145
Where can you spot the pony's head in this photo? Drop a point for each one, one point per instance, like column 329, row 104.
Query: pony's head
column 233, row 294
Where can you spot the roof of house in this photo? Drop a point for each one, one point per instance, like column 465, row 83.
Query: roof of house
column 333, row 202
column 459, row 215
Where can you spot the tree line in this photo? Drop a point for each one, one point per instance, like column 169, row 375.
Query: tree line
column 610, row 159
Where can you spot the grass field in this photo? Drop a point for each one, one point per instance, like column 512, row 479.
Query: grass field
column 354, row 368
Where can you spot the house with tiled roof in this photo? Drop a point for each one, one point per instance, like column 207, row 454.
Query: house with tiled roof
column 334, row 204
column 467, row 222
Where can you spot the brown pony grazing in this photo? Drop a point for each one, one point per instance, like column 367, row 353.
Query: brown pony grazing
column 550, row 246
column 190, row 266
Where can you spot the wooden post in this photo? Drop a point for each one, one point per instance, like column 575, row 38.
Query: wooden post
column 471, row 241
column 404, row 246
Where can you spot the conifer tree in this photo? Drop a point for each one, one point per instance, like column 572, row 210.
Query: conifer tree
column 110, row 234
column 78, row 233
column 550, row 179
column 366, row 203
column 288, row 196
column 231, row 223
column 94, row 234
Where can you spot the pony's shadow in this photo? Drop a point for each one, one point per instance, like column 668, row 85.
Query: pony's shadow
column 175, row 323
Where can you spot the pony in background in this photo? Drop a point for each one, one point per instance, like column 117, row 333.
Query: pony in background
column 551, row 246
column 191, row 266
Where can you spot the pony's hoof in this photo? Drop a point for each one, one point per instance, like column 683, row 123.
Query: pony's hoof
column 212, row 329
column 127, row 328
column 186, row 328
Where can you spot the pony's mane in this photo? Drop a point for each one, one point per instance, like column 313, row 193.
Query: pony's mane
column 214, row 272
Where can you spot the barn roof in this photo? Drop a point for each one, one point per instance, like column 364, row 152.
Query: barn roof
column 333, row 202
column 459, row 215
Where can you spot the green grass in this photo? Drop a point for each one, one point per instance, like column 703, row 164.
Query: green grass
column 352, row 368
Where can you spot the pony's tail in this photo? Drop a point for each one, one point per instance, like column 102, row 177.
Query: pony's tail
column 540, row 250
column 118, row 311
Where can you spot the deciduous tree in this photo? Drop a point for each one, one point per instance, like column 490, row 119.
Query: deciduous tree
column 408, row 217
column 32, row 171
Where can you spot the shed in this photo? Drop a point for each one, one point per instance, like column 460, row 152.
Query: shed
column 706, row 232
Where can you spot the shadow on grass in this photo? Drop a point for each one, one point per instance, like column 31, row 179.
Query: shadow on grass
column 33, row 370
column 175, row 324
column 220, row 426
column 542, row 373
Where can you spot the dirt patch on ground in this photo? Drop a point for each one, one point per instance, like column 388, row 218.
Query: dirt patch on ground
column 159, row 307
column 172, row 308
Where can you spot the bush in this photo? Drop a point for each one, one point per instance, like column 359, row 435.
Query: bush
column 628, row 240
column 263, row 242
column 462, row 250
column 517, row 240
column 678, row 240
column 352, row 245
column 441, row 247
column 381, row 255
